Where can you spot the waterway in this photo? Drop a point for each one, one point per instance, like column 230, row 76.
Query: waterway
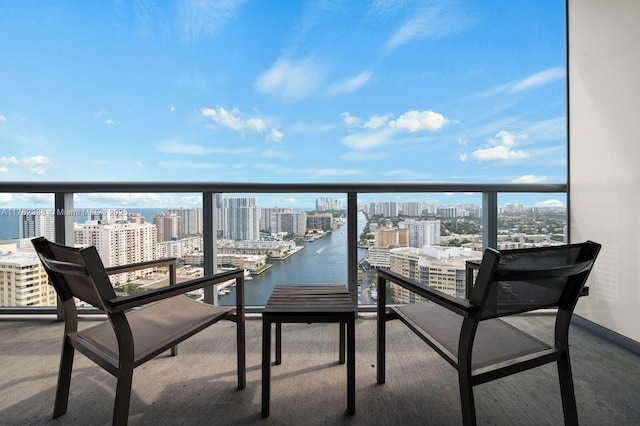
column 323, row 261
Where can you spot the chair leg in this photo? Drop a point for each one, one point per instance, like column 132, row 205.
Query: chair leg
column 123, row 396
column 466, row 399
column 64, row 379
column 567, row 391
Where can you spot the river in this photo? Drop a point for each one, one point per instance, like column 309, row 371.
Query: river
column 323, row 261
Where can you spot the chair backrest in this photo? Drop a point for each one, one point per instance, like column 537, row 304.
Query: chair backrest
column 515, row 281
column 75, row 272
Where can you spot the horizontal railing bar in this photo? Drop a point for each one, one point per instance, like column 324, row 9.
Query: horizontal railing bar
column 231, row 187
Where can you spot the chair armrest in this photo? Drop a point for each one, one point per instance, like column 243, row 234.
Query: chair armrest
column 455, row 304
column 123, row 303
column 141, row 265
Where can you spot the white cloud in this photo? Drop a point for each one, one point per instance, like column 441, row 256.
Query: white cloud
column 3, row 169
column 499, row 153
column 419, row 120
column 549, row 203
column 110, row 122
column 539, row 79
column 8, row 160
column 275, row 135
column 5, row 198
column 3, row 119
column 377, row 121
column 181, row 148
column 368, row 140
column 350, row 85
column 37, row 164
column 464, row 157
column 206, row 17
column 190, row 165
column 442, row 19
column 139, row 165
column 362, row 156
column 333, row 172
column 125, row 199
column 172, row 108
column 191, row 200
column 504, row 138
column 292, row 81
column 232, row 120
column 349, row 119
column 503, row 148
column 530, row 179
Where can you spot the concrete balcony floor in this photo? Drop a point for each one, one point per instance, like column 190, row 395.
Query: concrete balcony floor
column 309, row 388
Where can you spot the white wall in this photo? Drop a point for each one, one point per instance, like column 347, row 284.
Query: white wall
column 604, row 152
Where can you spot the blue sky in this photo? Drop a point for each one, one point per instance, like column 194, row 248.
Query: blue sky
column 283, row 91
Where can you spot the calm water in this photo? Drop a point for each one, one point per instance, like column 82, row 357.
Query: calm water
column 322, row 262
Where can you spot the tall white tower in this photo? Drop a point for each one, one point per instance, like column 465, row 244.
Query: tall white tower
column 241, row 218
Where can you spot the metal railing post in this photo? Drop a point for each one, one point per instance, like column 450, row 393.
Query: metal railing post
column 489, row 219
column 210, row 242
column 63, row 229
column 352, row 246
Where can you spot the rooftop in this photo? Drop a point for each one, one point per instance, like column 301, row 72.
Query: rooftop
column 309, row 388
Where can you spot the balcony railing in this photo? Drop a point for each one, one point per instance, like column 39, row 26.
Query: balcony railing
column 64, row 196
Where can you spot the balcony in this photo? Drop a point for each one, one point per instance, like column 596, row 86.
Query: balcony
column 309, row 387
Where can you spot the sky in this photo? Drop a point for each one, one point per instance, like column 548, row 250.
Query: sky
column 460, row 91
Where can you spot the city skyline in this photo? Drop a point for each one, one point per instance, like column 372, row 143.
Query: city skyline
column 437, row 91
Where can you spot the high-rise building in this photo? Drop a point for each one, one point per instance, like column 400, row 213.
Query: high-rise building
column 38, row 223
column 291, row 223
column 325, row 204
column 411, row 208
column 388, row 209
column 168, row 226
column 241, row 218
column 422, row 232
column 322, row 221
column 385, row 237
column 23, row 280
column 190, row 220
column 266, row 217
column 120, row 244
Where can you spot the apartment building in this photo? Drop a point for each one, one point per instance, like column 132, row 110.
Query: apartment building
column 168, row 226
column 443, row 268
column 119, row 244
column 23, row 280
column 190, row 221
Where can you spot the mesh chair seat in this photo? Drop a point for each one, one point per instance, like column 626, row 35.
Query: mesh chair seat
column 138, row 327
column 470, row 334
column 496, row 341
column 157, row 326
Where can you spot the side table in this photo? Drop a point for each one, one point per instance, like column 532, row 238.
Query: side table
column 309, row 304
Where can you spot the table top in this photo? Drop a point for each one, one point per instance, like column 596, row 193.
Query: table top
column 317, row 299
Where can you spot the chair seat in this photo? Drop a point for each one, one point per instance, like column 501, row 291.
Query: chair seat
column 496, row 341
column 157, row 326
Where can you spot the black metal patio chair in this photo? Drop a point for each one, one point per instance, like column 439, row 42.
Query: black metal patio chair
column 162, row 318
column 471, row 336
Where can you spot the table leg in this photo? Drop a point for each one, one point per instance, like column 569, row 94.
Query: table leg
column 278, row 343
column 343, row 326
column 266, row 366
column 351, row 365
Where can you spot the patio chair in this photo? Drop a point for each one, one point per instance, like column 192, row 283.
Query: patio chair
column 471, row 336
column 162, row 318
